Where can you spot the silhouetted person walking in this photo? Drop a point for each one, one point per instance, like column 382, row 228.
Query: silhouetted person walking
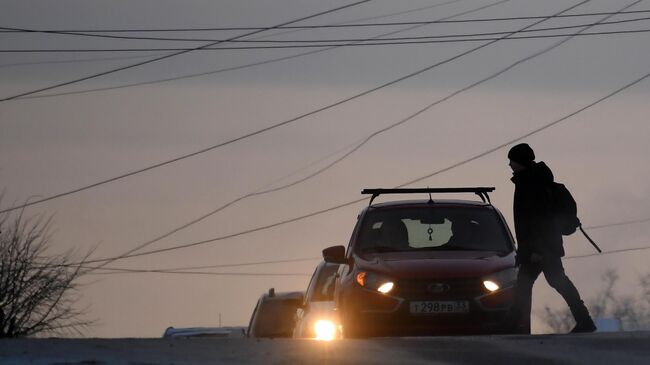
column 539, row 241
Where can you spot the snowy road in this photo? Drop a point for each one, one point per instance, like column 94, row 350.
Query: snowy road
column 601, row 348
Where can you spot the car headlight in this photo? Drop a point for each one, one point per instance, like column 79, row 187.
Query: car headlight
column 375, row 281
column 500, row 279
column 325, row 330
column 491, row 285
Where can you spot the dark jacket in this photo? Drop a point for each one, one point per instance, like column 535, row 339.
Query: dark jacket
column 534, row 220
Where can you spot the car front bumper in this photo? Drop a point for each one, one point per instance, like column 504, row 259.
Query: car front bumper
column 367, row 313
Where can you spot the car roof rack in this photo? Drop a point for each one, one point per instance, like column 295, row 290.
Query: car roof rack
column 482, row 192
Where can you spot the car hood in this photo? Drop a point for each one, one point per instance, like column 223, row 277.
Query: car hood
column 439, row 264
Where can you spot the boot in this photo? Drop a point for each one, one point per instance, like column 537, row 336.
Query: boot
column 584, row 323
column 584, row 327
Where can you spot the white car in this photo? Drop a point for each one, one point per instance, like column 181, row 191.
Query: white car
column 194, row 332
column 316, row 317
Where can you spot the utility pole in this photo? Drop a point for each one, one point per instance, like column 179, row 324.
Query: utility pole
column 220, row 319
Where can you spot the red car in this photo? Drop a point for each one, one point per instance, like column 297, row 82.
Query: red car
column 425, row 267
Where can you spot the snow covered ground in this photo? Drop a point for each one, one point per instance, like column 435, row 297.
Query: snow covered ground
column 599, row 348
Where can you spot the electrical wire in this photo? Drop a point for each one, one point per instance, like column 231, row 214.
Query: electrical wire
column 135, row 271
column 600, row 100
column 350, row 203
column 248, row 65
column 593, row 227
column 94, row 59
column 260, row 37
column 259, row 192
column 598, row 23
column 340, row 25
column 360, row 44
column 109, row 271
column 624, row 223
column 372, row 135
column 187, row 269
column 601, row 226
column 130, row 253
column 115, row 70
column 607, row 252
column 220, row 266
column 412, row 38
column 173, row 270
column 259, row 131
column 89, row 33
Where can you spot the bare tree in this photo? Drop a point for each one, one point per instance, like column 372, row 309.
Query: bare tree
column 632, row 310
column 38, row 293
column 559, row 321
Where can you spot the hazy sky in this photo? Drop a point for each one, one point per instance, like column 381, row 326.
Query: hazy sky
column 54, row 144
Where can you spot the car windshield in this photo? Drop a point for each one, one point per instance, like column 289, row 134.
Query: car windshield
column 401, row 229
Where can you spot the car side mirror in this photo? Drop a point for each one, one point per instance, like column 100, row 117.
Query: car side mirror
column 335, row 255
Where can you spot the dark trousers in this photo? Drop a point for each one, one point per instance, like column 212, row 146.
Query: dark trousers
column 519, row 314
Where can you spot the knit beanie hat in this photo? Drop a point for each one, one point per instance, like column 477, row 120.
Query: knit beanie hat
column 522, row 154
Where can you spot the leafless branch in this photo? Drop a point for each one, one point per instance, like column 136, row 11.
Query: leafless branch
column 632, row 310
column 38, row 293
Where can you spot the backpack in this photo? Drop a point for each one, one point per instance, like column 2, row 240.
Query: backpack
column 564, row 209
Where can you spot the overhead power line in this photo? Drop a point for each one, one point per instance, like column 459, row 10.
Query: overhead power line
column 129, row 253
column 624, row 223
column 191, row 269
column 202, row 267
column 315, row 41
column 76, row 60
column 115, row 70
column 175, row 271
column 277, row 125
column 259, row 131
column 607, row 252
column 369, row 137
column 291, row 30
column 601, row 226
column 145, row 244
column 259, row 37
column 360, row 43
column 242, row 264
column 350, row 203
column 593, row 227
column 210, row 273
column 141, row 271
column 259, row 192
column 252, row 64
column 339, row 25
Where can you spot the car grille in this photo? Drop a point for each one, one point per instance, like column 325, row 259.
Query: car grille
column 444, row 288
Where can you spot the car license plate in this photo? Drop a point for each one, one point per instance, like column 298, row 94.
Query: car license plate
column 438, row 307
